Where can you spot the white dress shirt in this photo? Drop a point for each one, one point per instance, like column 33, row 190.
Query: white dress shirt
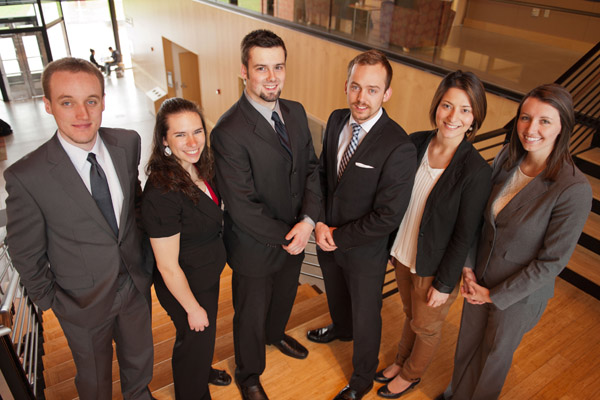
column 405, row 244
column 78, row 157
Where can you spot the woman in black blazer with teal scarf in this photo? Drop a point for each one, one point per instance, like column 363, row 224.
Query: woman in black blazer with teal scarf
column 430, row 248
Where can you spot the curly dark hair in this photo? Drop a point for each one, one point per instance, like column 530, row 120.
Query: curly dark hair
column 164, row 172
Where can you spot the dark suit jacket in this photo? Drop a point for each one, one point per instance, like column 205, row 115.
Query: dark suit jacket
column 370, row 199
column 452, row 213
column 521, row 252
column 59, row 241
column 265, row 192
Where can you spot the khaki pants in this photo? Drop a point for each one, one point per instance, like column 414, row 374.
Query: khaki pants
column 423, row 326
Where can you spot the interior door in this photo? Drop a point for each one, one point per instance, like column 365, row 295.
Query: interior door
column 22, row 59
column 190, row 77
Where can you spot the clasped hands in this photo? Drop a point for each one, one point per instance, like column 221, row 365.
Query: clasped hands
column 471, row 290
column 324, row 237
column 299, row 235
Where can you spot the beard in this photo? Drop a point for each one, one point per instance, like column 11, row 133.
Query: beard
column 271, row 97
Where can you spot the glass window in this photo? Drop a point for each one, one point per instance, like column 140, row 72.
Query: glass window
column 58, row 45
column 51, row 11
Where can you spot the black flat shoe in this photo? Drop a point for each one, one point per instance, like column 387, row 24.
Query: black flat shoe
column 291, row 348
column 218, row 377
column 381, row 378
column 325, row 335
column 384, row 391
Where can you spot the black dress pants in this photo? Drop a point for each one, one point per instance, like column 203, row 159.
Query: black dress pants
column 193, row 351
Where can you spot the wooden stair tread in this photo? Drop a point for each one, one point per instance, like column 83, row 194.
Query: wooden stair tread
column 592, row 155
column 592, row 225
column 595, row 184
column 585, row 263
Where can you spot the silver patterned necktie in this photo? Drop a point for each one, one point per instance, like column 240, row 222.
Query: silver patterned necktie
column 350, row 149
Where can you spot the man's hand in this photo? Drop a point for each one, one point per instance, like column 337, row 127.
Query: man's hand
column 198, row 319
column 299, row 236
column 435, row 298
column 324, row 237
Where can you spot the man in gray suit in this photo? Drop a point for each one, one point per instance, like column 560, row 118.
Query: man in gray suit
column 74, row 238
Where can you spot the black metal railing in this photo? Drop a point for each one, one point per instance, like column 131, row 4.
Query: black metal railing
column 20, row 335
column 582, row 80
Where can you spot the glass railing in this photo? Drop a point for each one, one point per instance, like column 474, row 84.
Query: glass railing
column 509, row 44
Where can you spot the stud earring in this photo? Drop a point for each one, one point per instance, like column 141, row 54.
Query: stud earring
column 168, row 151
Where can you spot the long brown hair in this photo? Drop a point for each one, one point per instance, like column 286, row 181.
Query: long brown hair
column 559, row 98
column 164, row 171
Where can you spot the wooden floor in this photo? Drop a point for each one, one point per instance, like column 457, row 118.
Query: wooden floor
column 559, row 359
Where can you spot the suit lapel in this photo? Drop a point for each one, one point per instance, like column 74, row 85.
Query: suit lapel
column 208, row 207
column 368, row 141
column 448, row 179
column 262, row 128
column 332, row 148
column 68, row 178
column 534, row 189
column 119, row 159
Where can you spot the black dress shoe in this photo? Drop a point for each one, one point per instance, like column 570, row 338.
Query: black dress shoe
column 384, row 391
column 348, row 393
column 252, row 392
column 325, row 335
column 291, row 347
column 381, row 378
column 218, row 377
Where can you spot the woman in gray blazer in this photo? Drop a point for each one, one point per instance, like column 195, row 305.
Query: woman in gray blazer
column 451, row 188
column 536, row 212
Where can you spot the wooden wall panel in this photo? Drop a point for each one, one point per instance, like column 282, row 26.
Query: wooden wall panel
column 316, row 68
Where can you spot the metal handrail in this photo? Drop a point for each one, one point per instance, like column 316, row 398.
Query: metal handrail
column 20, row 333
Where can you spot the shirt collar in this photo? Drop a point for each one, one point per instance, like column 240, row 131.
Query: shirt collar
column 77, row 155
column 266, row 112
column 366, row 126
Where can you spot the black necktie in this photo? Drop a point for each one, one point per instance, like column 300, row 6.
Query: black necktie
column 101, row 192
column 284, row 139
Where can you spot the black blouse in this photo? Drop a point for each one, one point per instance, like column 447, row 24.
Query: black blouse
column 201, row 252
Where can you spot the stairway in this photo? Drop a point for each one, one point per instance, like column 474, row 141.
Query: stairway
column 59, row 369
column 585, row 261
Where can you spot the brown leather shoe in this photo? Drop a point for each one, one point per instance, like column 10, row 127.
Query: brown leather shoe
column 252, row 392
column 291, row 347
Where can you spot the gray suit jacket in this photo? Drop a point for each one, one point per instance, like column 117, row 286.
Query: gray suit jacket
column 523, row 250
column 65, row 251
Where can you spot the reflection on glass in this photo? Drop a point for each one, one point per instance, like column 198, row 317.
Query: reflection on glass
column 454, row 34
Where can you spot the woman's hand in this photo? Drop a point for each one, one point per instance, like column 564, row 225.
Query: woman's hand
column 435, row 298
column 469, row 287
column 198, row 319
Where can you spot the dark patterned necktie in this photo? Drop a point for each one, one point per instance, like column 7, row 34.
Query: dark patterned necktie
column 101, row 192
column 284, row 139
column 350, row 149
